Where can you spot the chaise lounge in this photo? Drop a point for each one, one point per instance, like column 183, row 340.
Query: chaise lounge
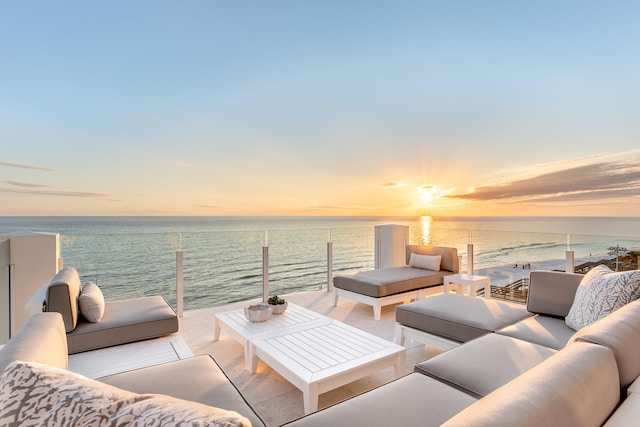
column 425, row 268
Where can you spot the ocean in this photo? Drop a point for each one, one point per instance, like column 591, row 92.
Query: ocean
column 136, row 256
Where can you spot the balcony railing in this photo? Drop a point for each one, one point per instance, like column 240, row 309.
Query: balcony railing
column 220, row 267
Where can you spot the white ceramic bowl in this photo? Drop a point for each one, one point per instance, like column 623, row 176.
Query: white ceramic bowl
column 258, row 312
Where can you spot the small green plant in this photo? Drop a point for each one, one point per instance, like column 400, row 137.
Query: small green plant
column 275, row 300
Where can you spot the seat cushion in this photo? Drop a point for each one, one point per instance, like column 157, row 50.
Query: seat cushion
column 389, row 281
column 413, row 400
column 458, row 317
column 197, row 379
column 482, row 365
column 548, row 331
column 123, row 322
column 552, row 292
column 564, row 390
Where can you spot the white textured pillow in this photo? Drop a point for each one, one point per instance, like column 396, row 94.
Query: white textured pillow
column 427, row 262
column 600, row 293
column 91, row 302
column 34, row 394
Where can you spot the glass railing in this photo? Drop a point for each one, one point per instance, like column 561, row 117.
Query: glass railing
column 220, row 267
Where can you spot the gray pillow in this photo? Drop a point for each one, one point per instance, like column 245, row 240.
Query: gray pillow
column 600, row 293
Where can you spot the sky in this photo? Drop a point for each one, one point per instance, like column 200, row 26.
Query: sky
column 320, row 107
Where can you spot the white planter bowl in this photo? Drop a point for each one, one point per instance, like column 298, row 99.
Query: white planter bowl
column 258, row 312
column 279, row 308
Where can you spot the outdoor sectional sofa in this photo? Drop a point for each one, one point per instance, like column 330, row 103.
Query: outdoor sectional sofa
column 386, row 286
column 513, row 366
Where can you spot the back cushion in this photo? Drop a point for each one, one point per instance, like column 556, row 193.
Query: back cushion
column 619, row 331
column 449, row 255
column 552, row 292
column 42, row 339
column 578, row 386
column 62, row 296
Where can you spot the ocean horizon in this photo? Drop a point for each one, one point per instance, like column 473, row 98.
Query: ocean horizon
column 131, row 256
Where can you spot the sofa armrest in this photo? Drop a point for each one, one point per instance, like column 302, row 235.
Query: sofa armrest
column 552, row 292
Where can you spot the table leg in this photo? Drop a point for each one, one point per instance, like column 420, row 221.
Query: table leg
column 399, row 364
column 250, row 358
column 216, row 329
column 310, row 398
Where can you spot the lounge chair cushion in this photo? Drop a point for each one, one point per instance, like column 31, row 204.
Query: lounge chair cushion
column 482, row 365
column 600, row 293
column 44, row 395
column 428, row 262
column 197, row 379
column 42, row 339
column 91, row 302
column 627, row 414
column 123, row 322
column 458, row 317
column 389, row 281
column 548, row 331
column 564, row 390
column 412, row 400
column 619, row 331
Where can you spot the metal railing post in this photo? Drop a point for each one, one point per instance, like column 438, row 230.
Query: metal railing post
column 265, row 269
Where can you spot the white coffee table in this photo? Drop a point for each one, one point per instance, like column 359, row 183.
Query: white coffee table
column 326, row 356
column 235, row 324
column 469, row 282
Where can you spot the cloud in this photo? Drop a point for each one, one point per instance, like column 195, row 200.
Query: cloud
column 16, row 165
column 26, row 184
column 55, row 193
column 588, row 182
column 393, row 185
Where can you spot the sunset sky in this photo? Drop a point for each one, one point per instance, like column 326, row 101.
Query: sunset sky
column 322, row 107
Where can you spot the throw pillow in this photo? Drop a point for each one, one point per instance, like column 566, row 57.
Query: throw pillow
column 34, row 394
column 427, row 262
column 91, row 302
column 600, row 293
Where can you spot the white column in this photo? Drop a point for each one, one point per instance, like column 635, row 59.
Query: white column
column 329, row 263
column 179, row 283
column 470, row 258
column 569, row 262
column 265, row 271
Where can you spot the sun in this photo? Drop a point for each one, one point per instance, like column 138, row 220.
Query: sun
column 426, row 197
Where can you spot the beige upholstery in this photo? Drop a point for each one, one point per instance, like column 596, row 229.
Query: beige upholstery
column 627, row 414
column 125, row 321
column 552, row 292
column 619, row 331
column 198, row 379
column 484, row 364
column 389, row 281
column 62, row 296
column 577, row 387
column 413, row 400
column 42, row 339
column 458, row 317
column 449, row 260
column 548, row 331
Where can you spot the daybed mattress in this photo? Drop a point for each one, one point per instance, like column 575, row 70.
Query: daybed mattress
column 389, row 281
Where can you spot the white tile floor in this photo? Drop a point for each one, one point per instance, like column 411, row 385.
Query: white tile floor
column 275, row 400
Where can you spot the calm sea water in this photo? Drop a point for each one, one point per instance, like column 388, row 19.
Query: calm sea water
column 135, row 256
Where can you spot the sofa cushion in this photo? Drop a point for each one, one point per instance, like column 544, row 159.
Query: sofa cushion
column 459, row 317
column 197, row 379
column 627, row 414
column 38, row 394
column 564, row 390
column 427, row 262
column 552, row 292
column 123, row 322
column 62, row 296
column 619, row 331
column 413, row 400
column 548, row 331
column 41, row 339
column 482, row 365
column 91, row 302
column 600, row 293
